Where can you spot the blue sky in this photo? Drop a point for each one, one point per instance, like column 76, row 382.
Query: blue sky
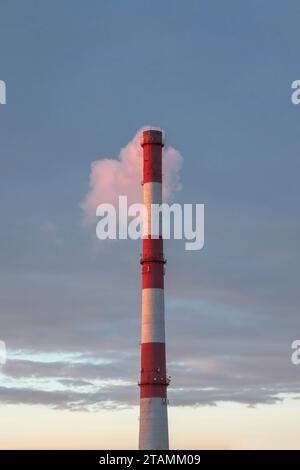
column 82, row 78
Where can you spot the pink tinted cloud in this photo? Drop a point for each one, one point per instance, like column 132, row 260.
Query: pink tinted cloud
column 111, row 178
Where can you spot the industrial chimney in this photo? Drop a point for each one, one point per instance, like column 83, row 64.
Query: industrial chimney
column 153, row 433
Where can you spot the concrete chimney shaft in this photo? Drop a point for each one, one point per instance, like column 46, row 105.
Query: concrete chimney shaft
column 153, row 432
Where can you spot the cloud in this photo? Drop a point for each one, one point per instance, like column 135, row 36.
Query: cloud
column 89, row 386
column 232, row 344
column 64, row 399
column 110, row 178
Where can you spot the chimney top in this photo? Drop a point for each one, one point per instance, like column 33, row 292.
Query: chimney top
column 152, row 136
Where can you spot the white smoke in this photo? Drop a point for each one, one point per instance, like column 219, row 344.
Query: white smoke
column 110, row 178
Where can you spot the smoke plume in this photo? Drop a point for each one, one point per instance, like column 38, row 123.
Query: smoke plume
column 110, row 178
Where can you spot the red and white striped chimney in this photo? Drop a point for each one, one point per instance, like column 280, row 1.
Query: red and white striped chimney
column 153, row 383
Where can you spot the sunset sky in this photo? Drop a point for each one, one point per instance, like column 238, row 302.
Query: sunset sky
column 82, row 78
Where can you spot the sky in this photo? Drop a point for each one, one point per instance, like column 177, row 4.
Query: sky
column 82, row 78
